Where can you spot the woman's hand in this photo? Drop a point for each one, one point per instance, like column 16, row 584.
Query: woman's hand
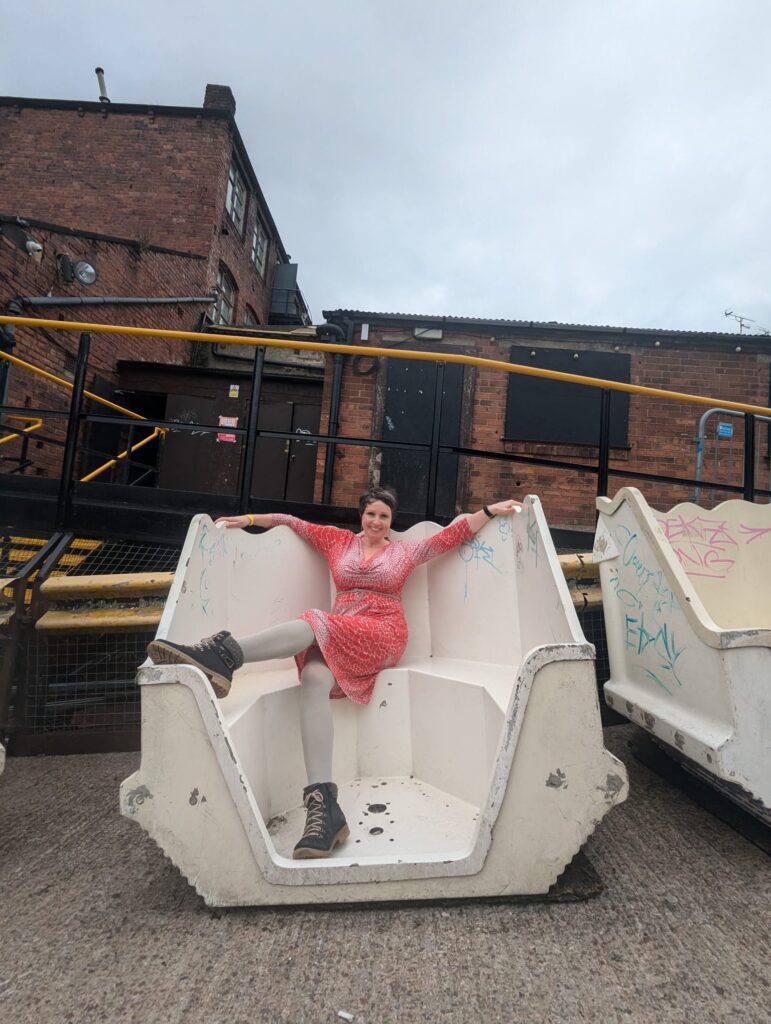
column 505, row 508
column 501, row 508
column 233, row 522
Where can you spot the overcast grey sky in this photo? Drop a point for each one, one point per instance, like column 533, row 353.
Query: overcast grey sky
column 587, row 161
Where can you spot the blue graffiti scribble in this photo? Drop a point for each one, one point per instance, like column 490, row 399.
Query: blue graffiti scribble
column 505, row 528
column 626, row 597
column 203, row 590
column 647, row 578
column 662, row 645
column 476, row 552
column 209, row 553
column 532, row 534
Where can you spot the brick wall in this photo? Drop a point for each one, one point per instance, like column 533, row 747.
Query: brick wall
column 137, row 173
column 122, row 270
column 661, row 433
column 233, row 248
column 133, row 175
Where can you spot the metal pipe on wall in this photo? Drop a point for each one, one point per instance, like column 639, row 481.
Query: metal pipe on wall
column 334, row 407
column 32, row 301
column 701, row 437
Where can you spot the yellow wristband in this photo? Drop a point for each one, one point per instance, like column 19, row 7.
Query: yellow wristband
column 250, row 517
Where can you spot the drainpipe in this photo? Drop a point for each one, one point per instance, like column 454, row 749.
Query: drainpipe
column 335, row 333
column 27, row 301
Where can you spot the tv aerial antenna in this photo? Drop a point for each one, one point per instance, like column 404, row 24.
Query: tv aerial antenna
column 744, row 322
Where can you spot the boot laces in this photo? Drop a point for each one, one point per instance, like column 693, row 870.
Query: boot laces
column 314, row 823
column 214, row 643
column 208, row 643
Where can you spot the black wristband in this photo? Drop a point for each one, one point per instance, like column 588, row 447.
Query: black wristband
column 487, row 512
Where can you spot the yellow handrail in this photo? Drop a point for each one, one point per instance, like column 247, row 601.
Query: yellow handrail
column 158, row 432
column 34, row 423
column 385, row 353
column 66, row 383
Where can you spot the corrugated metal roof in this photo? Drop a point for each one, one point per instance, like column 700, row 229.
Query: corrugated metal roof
column 539, row 325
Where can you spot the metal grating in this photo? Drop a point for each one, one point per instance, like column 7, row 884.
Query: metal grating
column 74, row 682
column 15, row 550
column 593, row 625
column 95, row 557
column 82, row 683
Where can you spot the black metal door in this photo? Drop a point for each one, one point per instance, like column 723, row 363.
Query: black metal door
column 286, row 469
column 301, row 472
column 408, row 416
column 271, row 454
column 204, row 460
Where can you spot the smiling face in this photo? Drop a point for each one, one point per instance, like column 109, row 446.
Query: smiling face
column 376, row 521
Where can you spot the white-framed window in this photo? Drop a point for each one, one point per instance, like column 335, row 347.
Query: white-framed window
column 225, row 305
column 259, row 248
column 250, row 318
column 235, row 202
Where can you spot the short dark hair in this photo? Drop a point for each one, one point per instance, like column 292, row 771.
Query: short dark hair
column 385, row 494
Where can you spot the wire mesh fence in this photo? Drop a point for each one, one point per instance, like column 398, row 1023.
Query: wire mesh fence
column 16, row 549
column 593, row 624
column 82, row 681
column 74, row 682
column 93, row 557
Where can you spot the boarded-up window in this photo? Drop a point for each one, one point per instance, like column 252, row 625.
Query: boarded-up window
column 559, row 411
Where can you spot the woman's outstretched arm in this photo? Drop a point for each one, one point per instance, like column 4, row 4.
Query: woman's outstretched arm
column 241, row 522
column 328, row 540
column 477, row 520
column 457, row 533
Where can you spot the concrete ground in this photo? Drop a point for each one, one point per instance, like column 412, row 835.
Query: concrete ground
column 95, row 925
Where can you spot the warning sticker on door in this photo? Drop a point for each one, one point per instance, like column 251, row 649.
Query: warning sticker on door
column 228, row 421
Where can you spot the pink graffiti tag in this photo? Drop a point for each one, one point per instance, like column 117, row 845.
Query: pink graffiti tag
column 753, row 532
column 701, row 545
column 705, row 547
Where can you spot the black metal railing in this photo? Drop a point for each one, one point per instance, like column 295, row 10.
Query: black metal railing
column 77, row 415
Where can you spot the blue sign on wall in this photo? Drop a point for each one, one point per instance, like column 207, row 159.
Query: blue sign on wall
column 725, row 430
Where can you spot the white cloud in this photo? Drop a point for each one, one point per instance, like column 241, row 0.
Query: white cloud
column 596, row 161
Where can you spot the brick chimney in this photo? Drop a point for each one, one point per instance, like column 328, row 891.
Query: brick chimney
column 220, row 97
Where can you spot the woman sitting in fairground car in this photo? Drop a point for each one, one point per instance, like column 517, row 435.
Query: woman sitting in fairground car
column 338, row 653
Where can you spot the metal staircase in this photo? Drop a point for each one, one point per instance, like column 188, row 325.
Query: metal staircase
column 75, row 616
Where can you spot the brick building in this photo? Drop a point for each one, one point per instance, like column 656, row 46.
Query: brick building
column 163, row 204
column 492, row 411
column 177, row 177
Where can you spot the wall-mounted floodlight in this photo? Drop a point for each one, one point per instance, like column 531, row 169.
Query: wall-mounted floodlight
column 84, row 272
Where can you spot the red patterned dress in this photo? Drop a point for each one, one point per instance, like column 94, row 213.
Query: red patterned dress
column 366, row 630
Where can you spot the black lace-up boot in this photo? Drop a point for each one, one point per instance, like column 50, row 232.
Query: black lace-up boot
column 325, row 824
column 217, row 656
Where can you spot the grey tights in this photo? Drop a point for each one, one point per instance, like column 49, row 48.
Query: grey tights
column 280, row 641
column 316, row 726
